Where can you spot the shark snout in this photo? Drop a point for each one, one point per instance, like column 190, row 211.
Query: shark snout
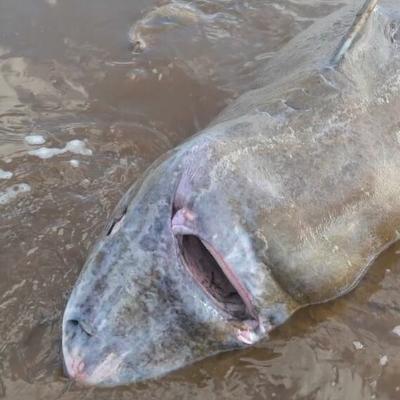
column 86, row 359
column 76, row 334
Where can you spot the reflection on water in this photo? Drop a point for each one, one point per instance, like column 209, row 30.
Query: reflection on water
column 90, row 94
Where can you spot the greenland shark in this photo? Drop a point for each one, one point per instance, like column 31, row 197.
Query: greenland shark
column 283, row 201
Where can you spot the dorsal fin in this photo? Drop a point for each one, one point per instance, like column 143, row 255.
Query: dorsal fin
column 359, row 22
column 359, row 46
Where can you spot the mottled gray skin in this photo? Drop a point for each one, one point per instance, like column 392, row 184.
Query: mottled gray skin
column 295, row 189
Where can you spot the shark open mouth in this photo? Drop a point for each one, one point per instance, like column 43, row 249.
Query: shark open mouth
column 215, row 277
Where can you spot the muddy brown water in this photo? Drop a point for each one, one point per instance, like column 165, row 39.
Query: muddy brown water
column 129, row 80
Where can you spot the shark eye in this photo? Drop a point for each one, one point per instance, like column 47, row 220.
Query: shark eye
column 207, row 272
column 116, row 224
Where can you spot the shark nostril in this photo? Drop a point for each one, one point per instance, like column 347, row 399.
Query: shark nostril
column 82, row 325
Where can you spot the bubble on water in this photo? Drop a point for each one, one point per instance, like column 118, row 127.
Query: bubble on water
column 45, row 152
column 383, row 360
column 396, row 330
column 32, row 251
column 74, row 163
column 35, row 139
column 137, row 74
column 78, row 147
column 74, row 146
column 358, row 345
column 5, row 174
column 12, row 192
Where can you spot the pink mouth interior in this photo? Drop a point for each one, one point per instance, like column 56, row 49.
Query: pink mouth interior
column 216, row 278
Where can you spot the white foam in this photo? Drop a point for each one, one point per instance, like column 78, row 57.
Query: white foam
column 5, row 174
column 45, row 152
column 35, row 139
column 396, row 330
column 78, row 147
column 74, row 146
column 12, row 192
column 383, row 360
column 358, row 345
column 74, row 163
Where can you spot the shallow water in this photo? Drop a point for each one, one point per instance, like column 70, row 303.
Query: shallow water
column 90, row 94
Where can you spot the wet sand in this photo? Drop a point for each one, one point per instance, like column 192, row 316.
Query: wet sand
column 90, row 94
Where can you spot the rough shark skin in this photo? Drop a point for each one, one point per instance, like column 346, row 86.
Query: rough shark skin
column 288, row 197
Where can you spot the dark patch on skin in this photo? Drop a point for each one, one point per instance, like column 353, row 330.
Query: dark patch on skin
column 100, row 286
column 99, row 258
column 86, row 308
column 149, row 243
column 393, row 32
